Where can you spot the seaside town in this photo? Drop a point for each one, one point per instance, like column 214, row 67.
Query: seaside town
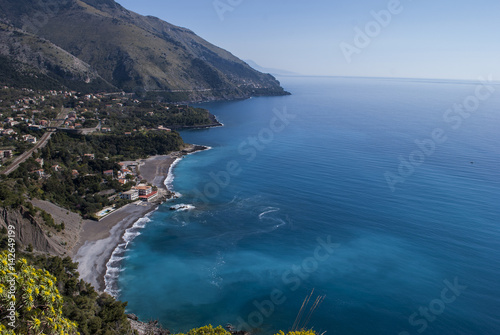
column 73, row 166
column 28, row 110
column 40, row 139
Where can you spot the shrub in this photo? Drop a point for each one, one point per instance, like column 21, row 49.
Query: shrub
column 207, row 330
column 36, row 300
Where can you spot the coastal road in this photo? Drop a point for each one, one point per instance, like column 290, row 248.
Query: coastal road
column 42, row 142
column 27, row 154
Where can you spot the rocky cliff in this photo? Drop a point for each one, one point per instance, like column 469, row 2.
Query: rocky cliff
column 32, row 231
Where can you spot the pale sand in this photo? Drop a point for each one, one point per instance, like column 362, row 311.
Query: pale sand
column 98, row 240
column 101, row 238
column 155, row 169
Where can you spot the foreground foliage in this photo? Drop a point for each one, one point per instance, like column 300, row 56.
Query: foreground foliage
column 49, row 298
column 46, row 300
column 30, row 302
column 207, row 330
column 298, row 332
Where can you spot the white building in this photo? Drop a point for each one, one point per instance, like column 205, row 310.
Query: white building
column 130, row 195
column 144, row 189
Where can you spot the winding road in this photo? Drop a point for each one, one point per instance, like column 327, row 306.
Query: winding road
column 42, row 142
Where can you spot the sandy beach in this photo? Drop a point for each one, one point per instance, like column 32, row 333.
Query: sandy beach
column 155, row 169
column 98, row 239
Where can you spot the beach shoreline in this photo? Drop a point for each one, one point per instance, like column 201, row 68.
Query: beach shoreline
column 99, row 239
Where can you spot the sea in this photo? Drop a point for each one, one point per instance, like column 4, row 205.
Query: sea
column 353, row 206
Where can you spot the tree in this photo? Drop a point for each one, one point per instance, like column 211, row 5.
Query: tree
column 30, row 300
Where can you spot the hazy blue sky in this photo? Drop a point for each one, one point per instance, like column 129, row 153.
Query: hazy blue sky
column 454, row 39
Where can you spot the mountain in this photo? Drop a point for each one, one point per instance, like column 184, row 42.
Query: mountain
column 123, row 50
column 29, row 61
column 275, row 72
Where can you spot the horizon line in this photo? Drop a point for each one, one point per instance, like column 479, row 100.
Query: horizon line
column 376, row 77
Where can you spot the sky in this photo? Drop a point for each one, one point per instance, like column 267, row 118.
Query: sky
column 443, row 39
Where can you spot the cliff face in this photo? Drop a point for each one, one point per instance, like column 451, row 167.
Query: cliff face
column 33, row 231
column 140, row 54
column 29, row 231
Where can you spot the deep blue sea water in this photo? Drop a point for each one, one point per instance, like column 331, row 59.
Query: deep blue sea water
column 294, row 196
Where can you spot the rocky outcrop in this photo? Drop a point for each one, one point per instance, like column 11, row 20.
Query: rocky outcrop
column 146, row 328
column 32, row 231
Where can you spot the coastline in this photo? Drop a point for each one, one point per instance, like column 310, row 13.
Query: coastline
column 98, row 240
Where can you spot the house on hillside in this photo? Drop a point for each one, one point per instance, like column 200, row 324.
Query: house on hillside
column 40, row 173
column 9, row 132
column 164, row 128
column 35, row 127
column 29, row 138
column 6, row 153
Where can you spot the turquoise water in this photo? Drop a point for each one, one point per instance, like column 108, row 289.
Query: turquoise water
column 303, row 192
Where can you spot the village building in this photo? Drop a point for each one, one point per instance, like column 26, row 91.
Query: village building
column 40, row 173
column 144, row 189
column 6, row 153
column 35, row 127
column 9, row 132
column 29, row 138
column 149, row 197
column 130, row 195
column 163, row 128
column 108, row 173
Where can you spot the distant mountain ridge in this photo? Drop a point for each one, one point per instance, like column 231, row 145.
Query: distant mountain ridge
column 274, row 72
column 99, row 43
